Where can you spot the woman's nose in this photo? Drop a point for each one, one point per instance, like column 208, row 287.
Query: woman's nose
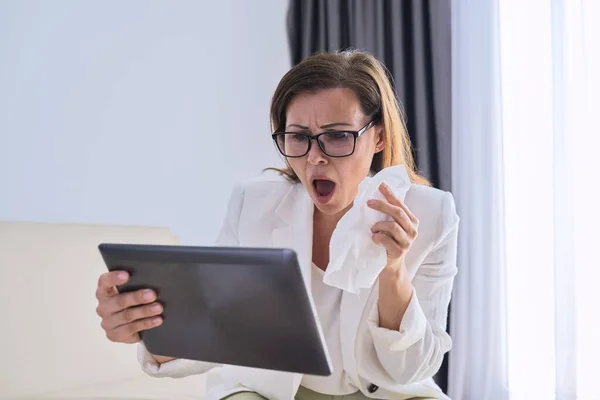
column 315, row 155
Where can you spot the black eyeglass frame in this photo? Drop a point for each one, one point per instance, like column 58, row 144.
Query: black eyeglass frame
column 355, row 134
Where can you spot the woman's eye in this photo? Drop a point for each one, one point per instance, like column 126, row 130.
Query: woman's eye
column 338, row 135
column 298, row 138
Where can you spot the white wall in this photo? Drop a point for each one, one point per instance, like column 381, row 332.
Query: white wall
column 135, row 112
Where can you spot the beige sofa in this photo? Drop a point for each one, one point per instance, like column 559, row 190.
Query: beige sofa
column 51, row 342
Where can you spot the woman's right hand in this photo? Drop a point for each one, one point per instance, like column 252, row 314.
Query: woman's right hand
column 124, row 315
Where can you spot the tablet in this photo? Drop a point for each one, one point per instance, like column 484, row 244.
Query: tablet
column 237, row 306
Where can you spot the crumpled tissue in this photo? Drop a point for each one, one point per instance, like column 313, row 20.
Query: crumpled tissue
column 355, row 260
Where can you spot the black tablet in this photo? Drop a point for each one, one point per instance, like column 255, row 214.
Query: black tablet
column 237, row 306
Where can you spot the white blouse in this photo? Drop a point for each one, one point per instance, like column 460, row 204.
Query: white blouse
column 327, row 300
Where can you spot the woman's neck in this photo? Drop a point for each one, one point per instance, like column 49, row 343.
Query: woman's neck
column 324, row 222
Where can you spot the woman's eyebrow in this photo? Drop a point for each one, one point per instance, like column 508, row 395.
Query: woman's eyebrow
column 335, row 124
column 331, row 125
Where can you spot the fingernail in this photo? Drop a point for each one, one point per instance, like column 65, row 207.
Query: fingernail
column 156, row 321
column 156, row 308
column 371, row 202
column 122, row 276
column 148, row 295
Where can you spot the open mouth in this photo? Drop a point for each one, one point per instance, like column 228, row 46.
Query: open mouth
column 324, row 189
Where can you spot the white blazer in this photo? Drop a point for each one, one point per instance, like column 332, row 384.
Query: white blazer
column 272, row 212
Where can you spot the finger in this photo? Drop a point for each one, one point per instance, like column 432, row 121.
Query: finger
column 108, row 281
column 129, row 333
column 410, row 215
column 389, row 194
column 393, row 211
column 388, row 243
column 390, row 228
column 394, row 231
column 131, row 314
column 394, row 200
column 132, row 339
column 115, row 304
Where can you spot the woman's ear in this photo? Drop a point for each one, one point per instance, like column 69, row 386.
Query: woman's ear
column 380, row 137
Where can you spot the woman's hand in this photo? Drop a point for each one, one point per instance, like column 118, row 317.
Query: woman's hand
column 397, row 235
column 395, row 288
column 124, row 315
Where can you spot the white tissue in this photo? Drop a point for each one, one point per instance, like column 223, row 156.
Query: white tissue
column 355, row 260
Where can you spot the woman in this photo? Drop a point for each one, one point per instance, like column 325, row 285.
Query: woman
column 336, row 121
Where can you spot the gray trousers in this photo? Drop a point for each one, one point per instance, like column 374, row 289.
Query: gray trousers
column 304, row 394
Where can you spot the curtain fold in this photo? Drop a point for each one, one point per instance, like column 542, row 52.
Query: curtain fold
column 478, row 324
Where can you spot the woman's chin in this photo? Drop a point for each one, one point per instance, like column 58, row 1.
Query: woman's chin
column 332, row 207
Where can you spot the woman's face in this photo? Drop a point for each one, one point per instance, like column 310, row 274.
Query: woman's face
column 332, row 182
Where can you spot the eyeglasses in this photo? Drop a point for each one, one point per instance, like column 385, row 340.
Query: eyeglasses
column 331, row 143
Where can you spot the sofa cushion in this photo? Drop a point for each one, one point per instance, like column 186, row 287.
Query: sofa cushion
column 51, row 338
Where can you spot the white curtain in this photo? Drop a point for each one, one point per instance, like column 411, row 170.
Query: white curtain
column 477, row 368
column 526, row 165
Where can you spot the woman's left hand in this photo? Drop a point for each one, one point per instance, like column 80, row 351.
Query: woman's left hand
column 398, row 234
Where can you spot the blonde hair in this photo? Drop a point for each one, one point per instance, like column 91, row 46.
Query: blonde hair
column 368, row 78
